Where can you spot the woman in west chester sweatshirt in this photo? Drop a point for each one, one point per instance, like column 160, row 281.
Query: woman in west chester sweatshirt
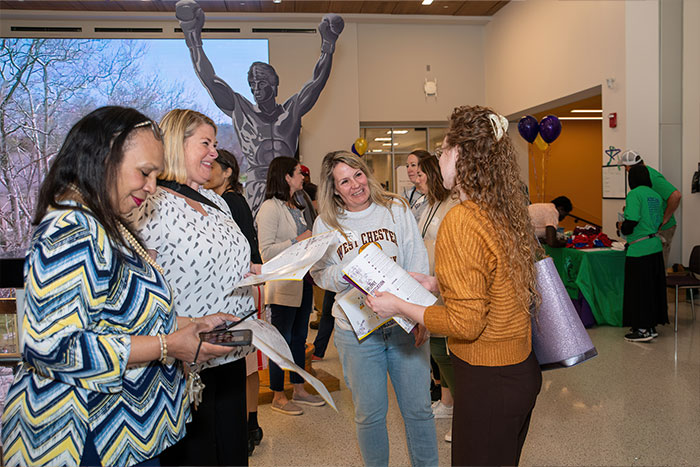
column 484, row 265
column 352, row 201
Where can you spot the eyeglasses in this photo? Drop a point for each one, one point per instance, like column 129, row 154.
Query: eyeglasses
column 438, row 153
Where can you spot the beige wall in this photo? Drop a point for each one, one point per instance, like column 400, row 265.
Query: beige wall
column 690, row 205
column 540, row 51
column 392, row 61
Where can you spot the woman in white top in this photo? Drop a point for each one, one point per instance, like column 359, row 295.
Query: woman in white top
column 191, row 234
column 281, row 223
column 439, row 202
column 353, row 202
column 416, row 198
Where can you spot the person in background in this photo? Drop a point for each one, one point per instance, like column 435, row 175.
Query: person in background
column 353, row 202
column 190, row 232
column 224, row 182
column 644, row 303
column 101, row 380
column 416, row 199
column 325, row 326
column 439, row 202
column 546, row 217
column 670, row 196
column 484, row 268
column 309, row 187
column 281, row 223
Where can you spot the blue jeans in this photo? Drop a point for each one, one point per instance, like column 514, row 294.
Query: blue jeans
column 293, row 323
column 365, row 366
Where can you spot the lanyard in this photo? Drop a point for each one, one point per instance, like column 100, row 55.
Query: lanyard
column 431, row 214
column 188, row 192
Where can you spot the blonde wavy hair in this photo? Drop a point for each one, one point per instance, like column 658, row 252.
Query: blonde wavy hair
column 178, row 125
column 487, row 173
column 331, row 205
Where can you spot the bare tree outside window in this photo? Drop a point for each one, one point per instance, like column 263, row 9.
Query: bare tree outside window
column 46, row 85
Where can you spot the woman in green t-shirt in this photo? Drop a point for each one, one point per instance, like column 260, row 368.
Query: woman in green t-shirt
column 644, row 304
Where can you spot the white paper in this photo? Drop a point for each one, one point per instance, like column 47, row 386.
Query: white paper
column 372, row 270
column 294, row 262
column 361, row 317
column 269, row 341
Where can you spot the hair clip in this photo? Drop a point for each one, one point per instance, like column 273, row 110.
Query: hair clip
column 499, row 123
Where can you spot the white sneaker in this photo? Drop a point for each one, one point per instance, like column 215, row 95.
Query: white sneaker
column 440, row 410
column 448, row 436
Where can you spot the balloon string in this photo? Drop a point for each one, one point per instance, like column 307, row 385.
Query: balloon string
column 543, row 187
column 545, row 158
column 535, row 185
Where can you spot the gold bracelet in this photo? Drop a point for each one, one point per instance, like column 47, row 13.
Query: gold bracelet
column 163, row 348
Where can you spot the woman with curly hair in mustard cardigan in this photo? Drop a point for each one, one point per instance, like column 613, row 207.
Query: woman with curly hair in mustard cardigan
column 484, row 269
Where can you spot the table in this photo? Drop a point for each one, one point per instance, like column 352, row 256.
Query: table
column 596, row 274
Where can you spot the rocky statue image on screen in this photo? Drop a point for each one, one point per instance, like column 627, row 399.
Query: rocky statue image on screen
column 265, row 129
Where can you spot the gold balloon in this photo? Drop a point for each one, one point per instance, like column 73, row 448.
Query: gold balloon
column 360, row 146
column 542, row 144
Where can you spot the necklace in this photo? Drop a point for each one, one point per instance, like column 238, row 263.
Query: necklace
column 139, row 249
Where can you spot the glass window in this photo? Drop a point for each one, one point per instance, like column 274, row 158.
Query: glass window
column 436, row 137
column 408, row 140
column 388, row 147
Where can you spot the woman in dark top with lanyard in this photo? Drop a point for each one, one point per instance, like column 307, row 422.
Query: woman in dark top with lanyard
column 416, row 198
column 439, row 202
column 224, row 181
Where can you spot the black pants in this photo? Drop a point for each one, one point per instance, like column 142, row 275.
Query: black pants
column 644, row 304
column 326, row 324
column 218, row 432
column 293, row 323
column 492, row 411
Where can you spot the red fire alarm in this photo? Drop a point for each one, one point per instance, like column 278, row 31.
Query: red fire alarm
column 612, row 118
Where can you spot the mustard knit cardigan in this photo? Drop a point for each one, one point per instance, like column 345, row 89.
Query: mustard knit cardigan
column 484, row 323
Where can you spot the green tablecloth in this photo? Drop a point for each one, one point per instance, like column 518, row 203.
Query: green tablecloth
column 598, row 274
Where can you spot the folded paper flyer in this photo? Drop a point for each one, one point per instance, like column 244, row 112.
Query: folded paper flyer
column 371, row 271
column 293, row 263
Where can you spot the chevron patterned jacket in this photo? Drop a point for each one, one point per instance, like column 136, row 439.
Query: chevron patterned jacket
column 83, row 302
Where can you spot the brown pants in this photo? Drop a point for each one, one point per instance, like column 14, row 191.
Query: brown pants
column 492, row 411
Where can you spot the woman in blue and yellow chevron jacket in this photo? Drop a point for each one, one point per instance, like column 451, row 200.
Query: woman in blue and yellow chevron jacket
column 101, row 381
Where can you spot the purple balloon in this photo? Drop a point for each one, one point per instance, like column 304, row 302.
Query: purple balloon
column 550, row 128
column 528, row 128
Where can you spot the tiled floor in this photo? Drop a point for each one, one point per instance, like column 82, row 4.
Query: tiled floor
column 634, row 404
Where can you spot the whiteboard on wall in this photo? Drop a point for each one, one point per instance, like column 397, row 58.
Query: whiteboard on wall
column 614, row 182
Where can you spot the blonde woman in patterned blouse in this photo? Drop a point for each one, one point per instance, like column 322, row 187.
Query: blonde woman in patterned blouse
column 191, row 233
column 100, row 382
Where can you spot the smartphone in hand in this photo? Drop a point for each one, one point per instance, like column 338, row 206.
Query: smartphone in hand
column 228, row 337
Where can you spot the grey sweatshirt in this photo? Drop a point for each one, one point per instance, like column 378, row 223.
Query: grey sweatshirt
column 395, row 231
